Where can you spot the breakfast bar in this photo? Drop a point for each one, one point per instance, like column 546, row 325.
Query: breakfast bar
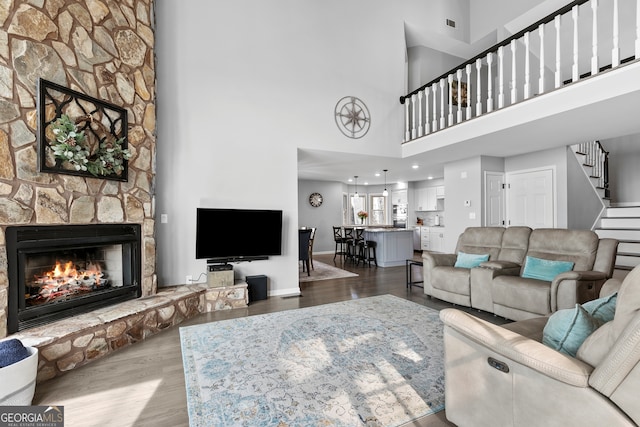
column 394, row 245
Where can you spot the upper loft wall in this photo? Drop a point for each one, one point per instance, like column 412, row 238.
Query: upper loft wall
column 425, row 64
column 489, row 15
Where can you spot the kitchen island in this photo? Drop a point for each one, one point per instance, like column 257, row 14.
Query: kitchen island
column 394, row 245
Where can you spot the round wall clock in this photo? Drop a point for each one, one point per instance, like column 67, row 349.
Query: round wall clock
column 352, row 117
column 315, row 199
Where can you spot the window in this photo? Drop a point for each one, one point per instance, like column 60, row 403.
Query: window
column 358, row 203
column 378, row 214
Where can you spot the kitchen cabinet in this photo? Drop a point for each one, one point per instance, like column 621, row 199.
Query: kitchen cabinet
column 424, row 238
column 426, row 199
column 399, row 197
column 440, row 192
column 436, row 239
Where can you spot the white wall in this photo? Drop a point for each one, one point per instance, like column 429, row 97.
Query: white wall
column 241, row 85
column 624, row 173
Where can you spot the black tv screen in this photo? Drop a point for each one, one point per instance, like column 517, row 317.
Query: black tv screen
column 228, row 234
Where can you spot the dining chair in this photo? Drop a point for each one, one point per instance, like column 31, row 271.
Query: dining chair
column 312, row 238
column 303, row 249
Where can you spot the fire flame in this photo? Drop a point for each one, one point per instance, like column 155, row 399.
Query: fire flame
column 70, row 272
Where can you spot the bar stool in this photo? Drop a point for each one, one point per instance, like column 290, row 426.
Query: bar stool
column 367, row 252
column 341, row 242
column 353, row 244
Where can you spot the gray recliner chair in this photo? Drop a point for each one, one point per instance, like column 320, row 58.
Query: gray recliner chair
column 504, row 376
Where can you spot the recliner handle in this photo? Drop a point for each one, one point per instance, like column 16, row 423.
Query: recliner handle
column 500, row 366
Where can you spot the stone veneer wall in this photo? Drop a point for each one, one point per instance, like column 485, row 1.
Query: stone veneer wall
column 104, row 48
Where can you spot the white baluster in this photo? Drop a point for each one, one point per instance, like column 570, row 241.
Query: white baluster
column 615, row 52
column 541, row 81
column 558, row 57
column 575, row 75
column 427, row 127
column 479, row 88
column 420, row 117
column 500, row 77
column 489, row 83
column 443, row 123
column 513, row 83
column 434, row 124
column 468, row 70
column 459, row 100
column 450, row 116
column 594, row 38
column 637, row 29
column 413, row 116
column 407, row 133
column 527, row 67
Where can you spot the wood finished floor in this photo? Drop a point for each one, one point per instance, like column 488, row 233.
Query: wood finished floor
column 143, row 384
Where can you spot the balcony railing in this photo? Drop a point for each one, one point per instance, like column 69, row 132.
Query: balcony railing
column 580, row 40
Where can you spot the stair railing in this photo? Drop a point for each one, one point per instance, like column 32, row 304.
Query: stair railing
column 527, row 64
column 597, row 158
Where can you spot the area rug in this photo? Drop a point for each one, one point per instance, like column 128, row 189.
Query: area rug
column 372, row 362
column 322, row 271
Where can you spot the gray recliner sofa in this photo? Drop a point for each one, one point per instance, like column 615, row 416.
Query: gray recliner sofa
column 504, row 375
column 497, row 285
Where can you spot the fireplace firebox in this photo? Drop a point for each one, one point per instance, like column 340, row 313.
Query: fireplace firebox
column 58, row 271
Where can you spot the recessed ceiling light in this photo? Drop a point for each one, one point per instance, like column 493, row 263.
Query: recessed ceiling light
column 350, row 180
column 366, row 183
column 429, row 177
column 377, row 173
column 415, row 166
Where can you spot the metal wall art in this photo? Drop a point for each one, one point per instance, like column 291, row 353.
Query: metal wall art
column 81, row 135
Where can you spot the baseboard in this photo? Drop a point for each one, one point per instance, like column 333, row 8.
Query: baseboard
column 625, row 205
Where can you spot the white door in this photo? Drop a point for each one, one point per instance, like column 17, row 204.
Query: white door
column 530, row 198
column 494, row 199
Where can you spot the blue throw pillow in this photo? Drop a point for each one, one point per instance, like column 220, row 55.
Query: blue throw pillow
column 544, row 269
column 470, row 260
column 567, row 329
column 602, row 308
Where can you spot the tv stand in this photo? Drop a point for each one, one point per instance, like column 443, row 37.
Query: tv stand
column 227, row 260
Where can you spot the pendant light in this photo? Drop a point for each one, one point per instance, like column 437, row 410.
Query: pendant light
column 356, row 177
column 385, row 193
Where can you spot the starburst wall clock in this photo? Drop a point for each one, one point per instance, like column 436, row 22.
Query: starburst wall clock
column 352, row 117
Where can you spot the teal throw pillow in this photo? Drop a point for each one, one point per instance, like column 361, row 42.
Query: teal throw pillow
column 567, row 329
column 602, row 308
column 544, row 269
column 470, row 260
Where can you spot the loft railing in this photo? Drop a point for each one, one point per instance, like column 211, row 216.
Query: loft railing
column 568, row 45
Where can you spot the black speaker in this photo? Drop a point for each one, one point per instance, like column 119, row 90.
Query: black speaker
column 257, row 286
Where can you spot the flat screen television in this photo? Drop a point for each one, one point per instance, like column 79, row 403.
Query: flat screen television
column 227, row 235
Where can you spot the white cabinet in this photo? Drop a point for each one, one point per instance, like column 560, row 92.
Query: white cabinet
column 426, row 199
column 424, row 238
column 399, row 197
column 436, row 239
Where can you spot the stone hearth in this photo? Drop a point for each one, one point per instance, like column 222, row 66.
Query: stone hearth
column 70, row 343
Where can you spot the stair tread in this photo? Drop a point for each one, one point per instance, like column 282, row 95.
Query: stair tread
column 629, row 254
column 623, row 267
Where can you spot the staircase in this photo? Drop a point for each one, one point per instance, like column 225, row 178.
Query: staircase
column 621, row 223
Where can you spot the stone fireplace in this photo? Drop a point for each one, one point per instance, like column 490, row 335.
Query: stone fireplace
column 62, row 271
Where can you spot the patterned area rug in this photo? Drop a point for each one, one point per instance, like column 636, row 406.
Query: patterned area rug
column 372, row 362
column 322, row 271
